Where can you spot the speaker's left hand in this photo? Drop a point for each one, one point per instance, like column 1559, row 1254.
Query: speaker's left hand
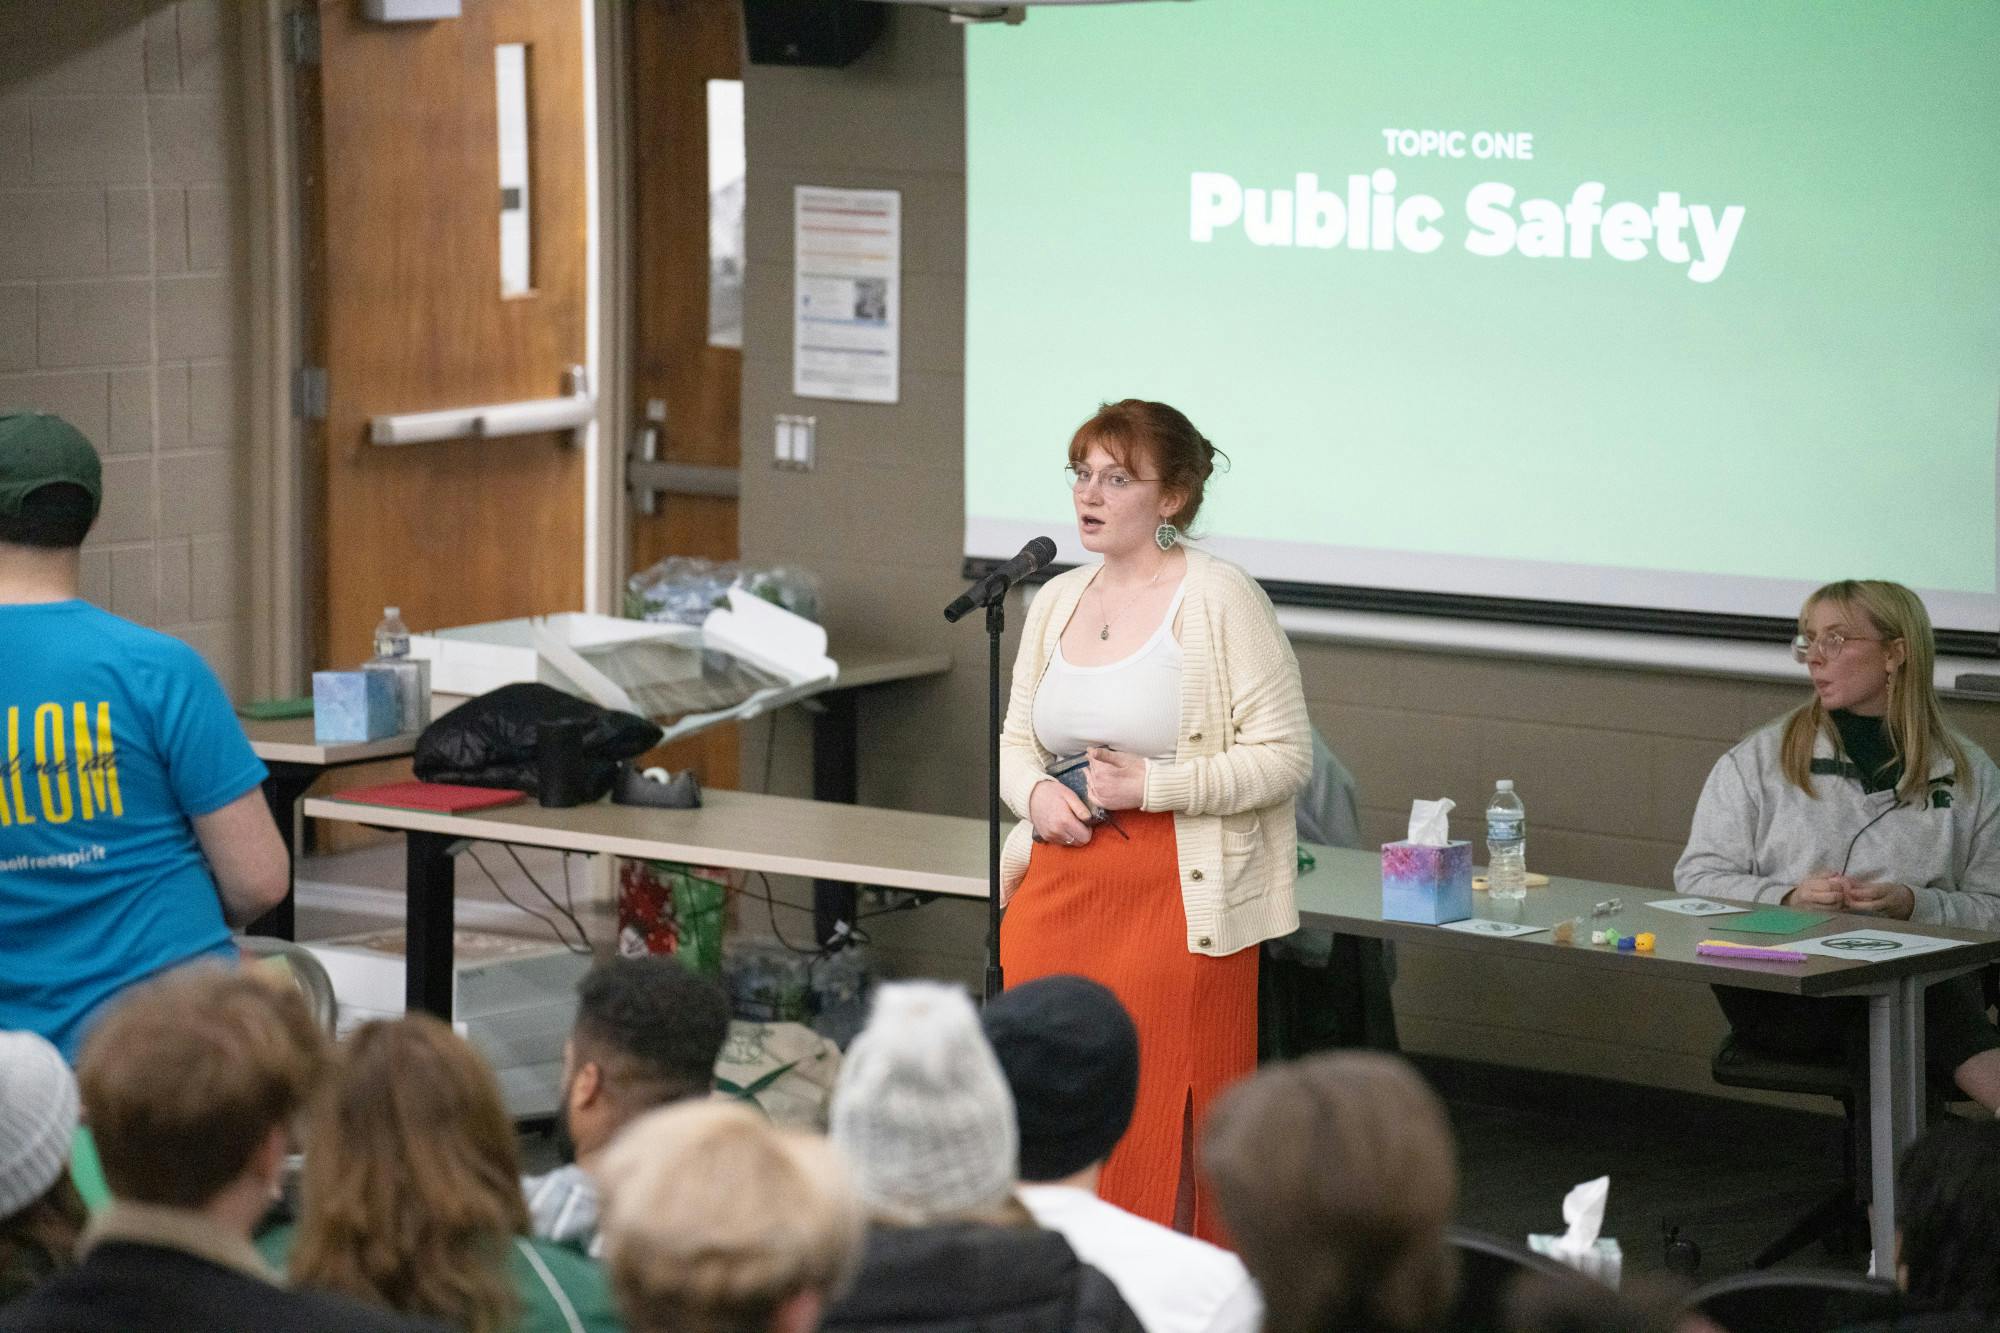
column 1117, row 781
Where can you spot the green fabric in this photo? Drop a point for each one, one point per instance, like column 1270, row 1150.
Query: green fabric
column 580, row 1278
column 36, row 450
column 1867, row 742
column 86, row 1173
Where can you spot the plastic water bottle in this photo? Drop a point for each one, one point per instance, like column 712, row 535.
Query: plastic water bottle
column 1506, row 843
column 392, row 636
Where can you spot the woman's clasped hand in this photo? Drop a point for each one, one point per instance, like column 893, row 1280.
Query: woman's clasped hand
column 1059, row 815
column 1831, row 892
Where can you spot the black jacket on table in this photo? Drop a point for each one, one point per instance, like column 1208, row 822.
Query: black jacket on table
column 973, row 1277
column 122, row 1287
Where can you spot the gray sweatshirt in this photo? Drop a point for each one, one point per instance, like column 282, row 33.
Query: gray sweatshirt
column 1755, row 835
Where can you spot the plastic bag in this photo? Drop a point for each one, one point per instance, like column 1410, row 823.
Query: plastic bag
column 668, row 908
column 786, row 1069
column 490, row 741
column 768, row 982
column 684, row 589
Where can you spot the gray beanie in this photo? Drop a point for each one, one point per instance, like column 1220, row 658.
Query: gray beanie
column 921, row 1109
column 37, row 1119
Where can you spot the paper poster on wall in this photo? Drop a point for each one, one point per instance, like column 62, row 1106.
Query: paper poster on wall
column 846, row 293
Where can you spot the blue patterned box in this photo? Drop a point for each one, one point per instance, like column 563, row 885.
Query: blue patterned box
column 1428, row 884
column 354, row 706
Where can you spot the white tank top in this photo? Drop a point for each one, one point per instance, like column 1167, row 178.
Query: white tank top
column 1132, row 705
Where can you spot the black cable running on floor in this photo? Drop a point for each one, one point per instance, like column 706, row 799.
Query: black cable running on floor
column 554, row 926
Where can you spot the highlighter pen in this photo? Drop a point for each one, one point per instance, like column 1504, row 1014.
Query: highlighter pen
column 1724, row 949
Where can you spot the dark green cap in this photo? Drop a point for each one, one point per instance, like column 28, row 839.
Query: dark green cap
column 37, row 450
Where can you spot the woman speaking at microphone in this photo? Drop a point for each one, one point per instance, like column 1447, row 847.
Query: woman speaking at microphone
column 1155, row 739
column 1859, row 800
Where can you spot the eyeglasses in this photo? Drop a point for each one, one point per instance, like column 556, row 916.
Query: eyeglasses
column 1828, row 644
column 1114, row 479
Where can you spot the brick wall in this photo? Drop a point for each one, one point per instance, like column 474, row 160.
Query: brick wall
column 121, row 286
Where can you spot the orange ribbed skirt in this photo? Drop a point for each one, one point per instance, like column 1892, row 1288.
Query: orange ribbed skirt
column 1111, row 910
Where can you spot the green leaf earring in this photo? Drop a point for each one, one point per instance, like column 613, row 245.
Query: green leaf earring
column 1165, row 536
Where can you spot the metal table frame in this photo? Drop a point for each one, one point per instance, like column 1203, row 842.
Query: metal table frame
column 1344, row 894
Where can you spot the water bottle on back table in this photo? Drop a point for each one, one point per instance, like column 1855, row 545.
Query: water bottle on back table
column 1506, row 843
column 392, row 636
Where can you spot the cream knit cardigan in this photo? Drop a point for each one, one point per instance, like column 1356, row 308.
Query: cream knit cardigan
column 1244, row 751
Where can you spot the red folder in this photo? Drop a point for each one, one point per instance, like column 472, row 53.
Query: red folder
column 442, row 796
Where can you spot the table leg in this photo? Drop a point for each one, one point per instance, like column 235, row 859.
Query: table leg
column 1895, row 1097
column 282, row 790
column 834, row 779
column 430, row 883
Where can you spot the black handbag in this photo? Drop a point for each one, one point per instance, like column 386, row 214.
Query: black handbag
column 490, row 741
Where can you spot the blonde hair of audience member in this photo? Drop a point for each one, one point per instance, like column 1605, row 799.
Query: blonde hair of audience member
column 190, row 1084
column 1908, row 659
column 716, row 1221
column 412, row 1190
column 1337, row 1176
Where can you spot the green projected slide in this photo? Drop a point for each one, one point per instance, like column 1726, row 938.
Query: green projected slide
column 1681, row 305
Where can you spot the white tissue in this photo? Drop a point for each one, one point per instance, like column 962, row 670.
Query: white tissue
column 1430, row 825
column 1581, row 1247
column 1583, row 1214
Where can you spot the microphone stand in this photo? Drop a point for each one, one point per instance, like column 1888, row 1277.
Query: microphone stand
column 996, row 621
column 991, row 593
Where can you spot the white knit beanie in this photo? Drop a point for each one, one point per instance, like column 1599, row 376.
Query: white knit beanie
column 922, row 1110
column 37, row 1119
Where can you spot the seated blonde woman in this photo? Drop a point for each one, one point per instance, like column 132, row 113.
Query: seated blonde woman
column 1859, row 800
column 412, row 1194
column 719, row 1222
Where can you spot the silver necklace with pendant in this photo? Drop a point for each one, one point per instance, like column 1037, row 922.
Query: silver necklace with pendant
column 1105, row 631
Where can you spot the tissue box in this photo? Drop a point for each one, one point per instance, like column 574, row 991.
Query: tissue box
column 354, row 706
column 1428, row 884
column 413, row 690
column 1603, row 1261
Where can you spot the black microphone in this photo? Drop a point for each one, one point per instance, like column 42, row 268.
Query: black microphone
column 995, row 585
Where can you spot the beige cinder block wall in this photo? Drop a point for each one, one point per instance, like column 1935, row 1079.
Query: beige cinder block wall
column 121, row 289
column 1610, row 761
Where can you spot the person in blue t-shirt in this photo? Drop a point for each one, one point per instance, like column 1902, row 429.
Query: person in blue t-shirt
column 133, row 829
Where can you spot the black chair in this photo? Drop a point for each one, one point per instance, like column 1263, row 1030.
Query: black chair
column 1487, row 1267
column 1796, row 1301
column 1840, row 1219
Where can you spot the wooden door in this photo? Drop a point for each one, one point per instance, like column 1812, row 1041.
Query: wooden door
column 677, row 47
column 403, row 209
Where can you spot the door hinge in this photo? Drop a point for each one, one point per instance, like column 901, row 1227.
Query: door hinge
column 309, row 393
column 302, row 36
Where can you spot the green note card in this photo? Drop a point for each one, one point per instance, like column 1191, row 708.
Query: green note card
column 1770, row 921
column 271, row 710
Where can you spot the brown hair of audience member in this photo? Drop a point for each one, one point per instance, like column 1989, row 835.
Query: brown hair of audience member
column 39, row 1241
column 185, row 1078
column 1337, row 1176
column 716, row 1221
column 412, row 1185
column 1153, row 442
column 1947, row 1203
